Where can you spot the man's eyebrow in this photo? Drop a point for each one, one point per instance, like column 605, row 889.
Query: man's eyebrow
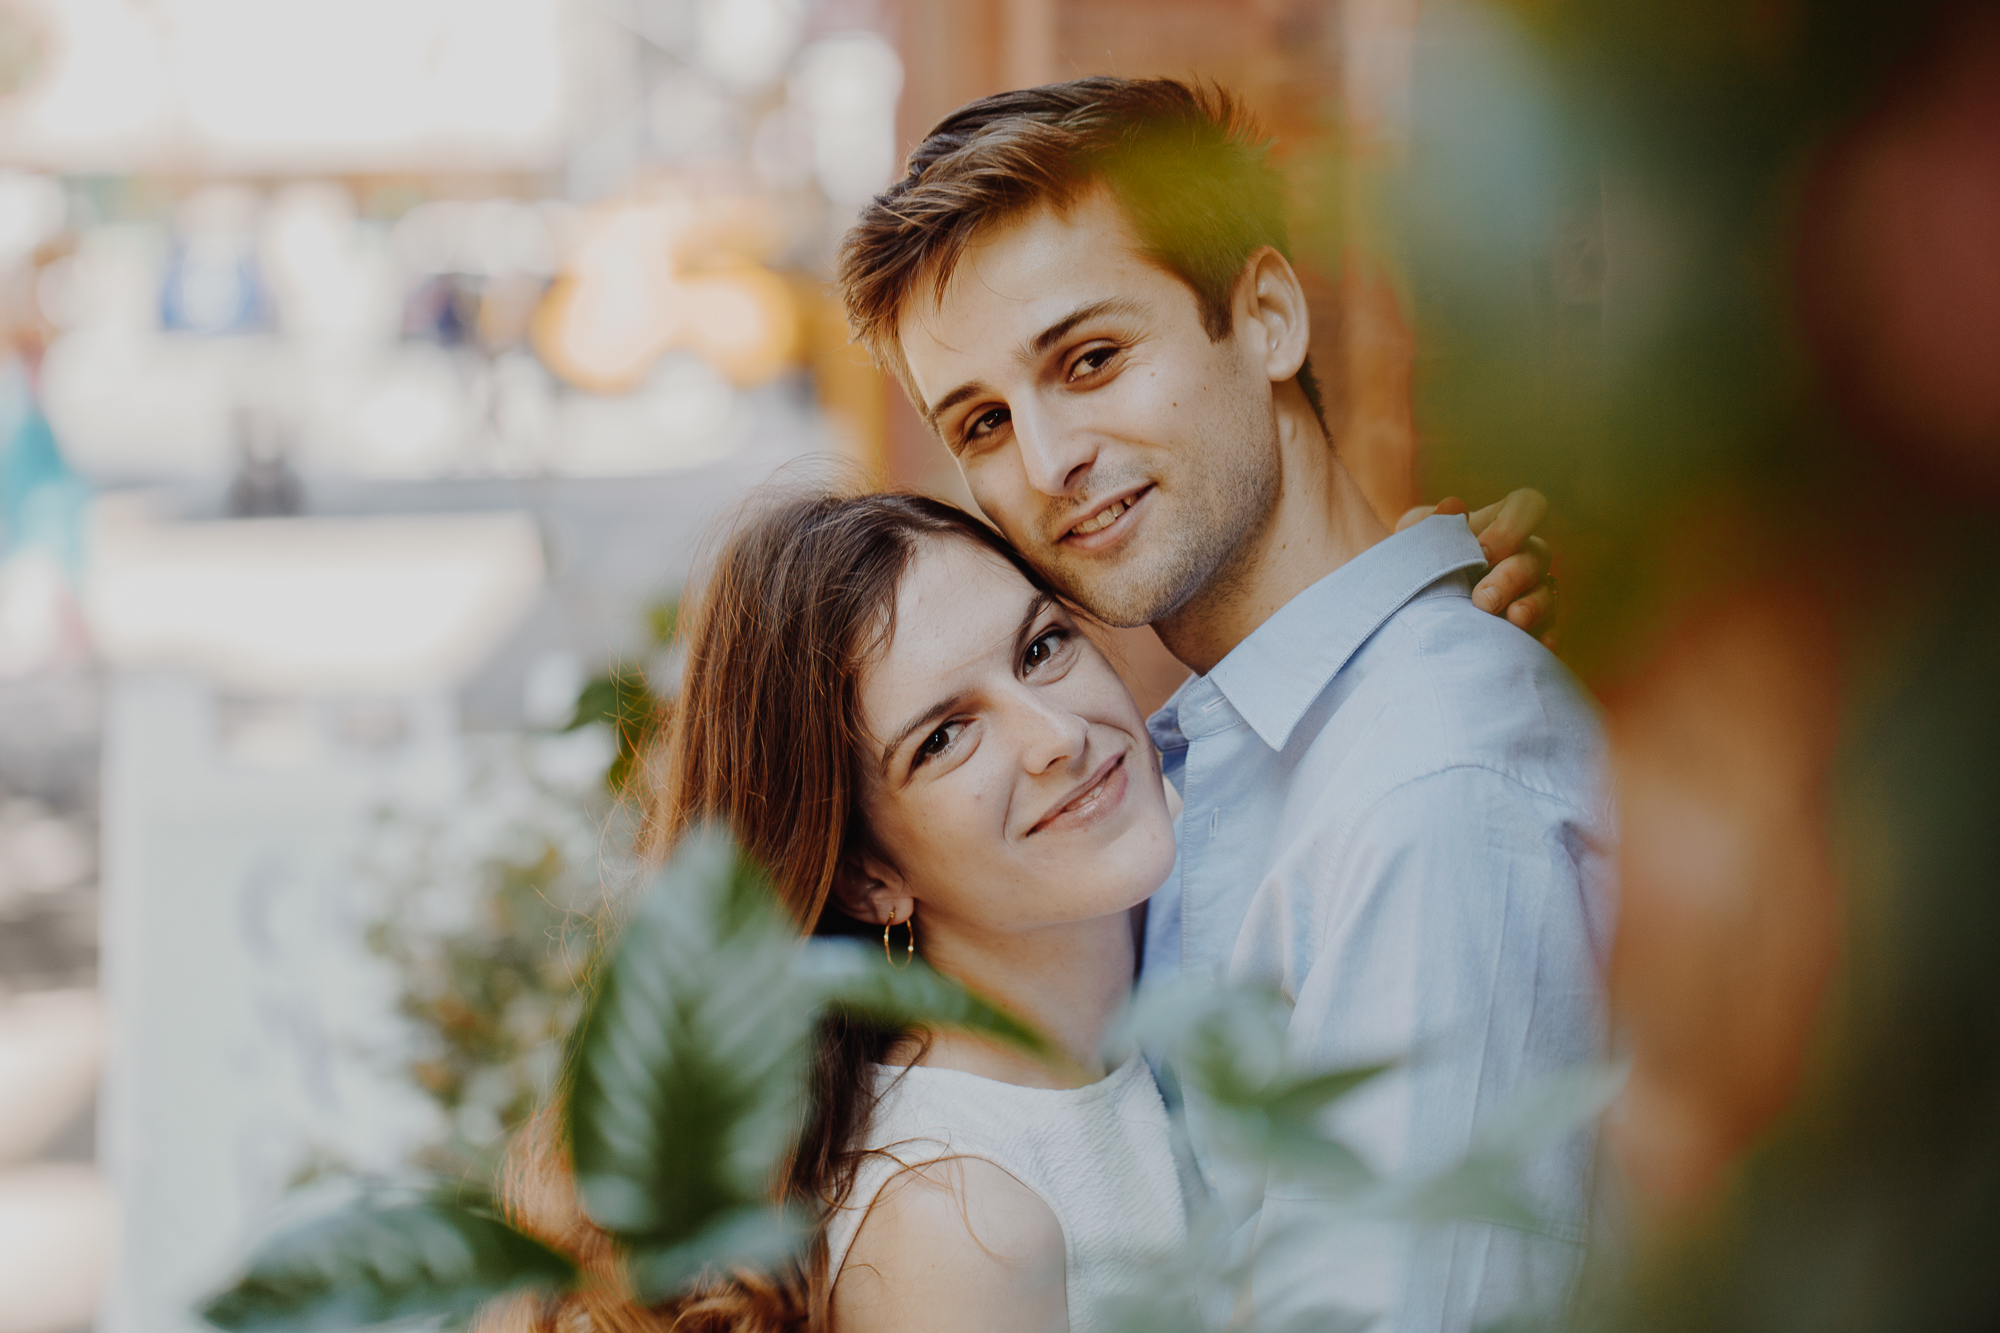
column 970, row 389
column 1056, row 332
column 944, row 708
column 1035, row 347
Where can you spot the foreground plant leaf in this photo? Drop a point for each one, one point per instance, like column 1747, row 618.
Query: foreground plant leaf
column 1482, row 1184
column 1228, row 1046
column 623, row 699
column 687, row 1071
column 759, row 1238
column 851, row 978
column 385, row 1263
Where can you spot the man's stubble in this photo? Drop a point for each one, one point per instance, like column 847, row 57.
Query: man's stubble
column 1206, row 538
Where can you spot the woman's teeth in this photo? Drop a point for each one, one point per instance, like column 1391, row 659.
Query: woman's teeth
column 1090, row 796
column 1103, row 519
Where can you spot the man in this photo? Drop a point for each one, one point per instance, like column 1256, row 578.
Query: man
column 1393, row 807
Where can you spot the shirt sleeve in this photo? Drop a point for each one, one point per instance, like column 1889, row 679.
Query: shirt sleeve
column 1454, row 928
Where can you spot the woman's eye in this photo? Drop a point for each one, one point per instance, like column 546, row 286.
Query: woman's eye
column 1093, row 360
column 1044, row 648
column 986, row 423
column 937, row 742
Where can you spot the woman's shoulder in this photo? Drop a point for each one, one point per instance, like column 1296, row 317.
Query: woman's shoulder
column 950, row 1244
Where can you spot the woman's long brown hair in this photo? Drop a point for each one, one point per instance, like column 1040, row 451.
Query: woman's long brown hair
column 764, row 735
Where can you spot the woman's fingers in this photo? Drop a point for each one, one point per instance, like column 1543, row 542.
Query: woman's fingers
column 1505, row 528
column 1518, row 583
column 1536, row 612
column 1516, row 579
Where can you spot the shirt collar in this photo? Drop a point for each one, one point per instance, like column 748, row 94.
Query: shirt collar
column 1274, row 675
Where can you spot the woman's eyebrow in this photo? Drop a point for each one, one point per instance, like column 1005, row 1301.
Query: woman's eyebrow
column 1037, row 604
column 935, row 714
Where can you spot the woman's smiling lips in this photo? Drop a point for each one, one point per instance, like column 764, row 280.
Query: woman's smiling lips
column 1099, row 797
column 1107, row 525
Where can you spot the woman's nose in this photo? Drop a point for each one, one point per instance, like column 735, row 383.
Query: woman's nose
column 1053, row 737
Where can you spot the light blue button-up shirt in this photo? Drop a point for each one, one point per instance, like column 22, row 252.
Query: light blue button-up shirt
column 1396, row 812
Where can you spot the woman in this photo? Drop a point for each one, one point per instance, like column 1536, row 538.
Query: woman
column 906, row 726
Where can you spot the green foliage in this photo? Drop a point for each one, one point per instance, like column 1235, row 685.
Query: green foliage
column 687, row 1071
column 384, row 1262
column 663, row 621
column 689, row 1065
column 683, row 1091
column 489, row 911
column 852, row 978
column 623, row 699
column 1266, row 1118
column 685, row 1079
column 1230, row 1048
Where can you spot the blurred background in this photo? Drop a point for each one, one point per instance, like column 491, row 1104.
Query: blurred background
column 371, row 373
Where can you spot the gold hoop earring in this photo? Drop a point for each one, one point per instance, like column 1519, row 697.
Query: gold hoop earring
column 909, row 949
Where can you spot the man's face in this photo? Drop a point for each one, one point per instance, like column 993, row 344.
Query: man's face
column 1128, row 456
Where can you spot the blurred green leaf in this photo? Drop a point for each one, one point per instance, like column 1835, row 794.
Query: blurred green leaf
column 663, row 620
column 1324, row 1319
column 1153, row 1311
column 758, row 1238
column 850, row 977
column 1481, row 1185
column 1553, row 1108
column 1309, row 1095
column 688, row 1069
column 1282, row 1121
column 1480, row 1188
column 1228, row 1047
column 623, row 699
column 378, row 1264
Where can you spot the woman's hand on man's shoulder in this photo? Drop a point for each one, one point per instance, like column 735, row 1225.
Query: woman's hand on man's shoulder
column 1519, row 582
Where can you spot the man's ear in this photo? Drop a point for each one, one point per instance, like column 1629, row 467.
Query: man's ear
column 871, row 891
column 1270, row 307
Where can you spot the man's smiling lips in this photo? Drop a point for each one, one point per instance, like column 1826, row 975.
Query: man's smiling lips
column 1101, row 794
column 1106, row 524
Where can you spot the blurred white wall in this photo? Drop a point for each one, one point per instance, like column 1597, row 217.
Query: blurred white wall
column 292, row 85
column 273, row 683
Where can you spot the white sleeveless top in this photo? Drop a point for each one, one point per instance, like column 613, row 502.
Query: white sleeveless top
column 1101, row 1157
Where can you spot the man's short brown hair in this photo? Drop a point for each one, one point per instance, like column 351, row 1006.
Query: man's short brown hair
column 1187, row 165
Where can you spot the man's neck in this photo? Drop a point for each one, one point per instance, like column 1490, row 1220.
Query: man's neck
column 1319, row 521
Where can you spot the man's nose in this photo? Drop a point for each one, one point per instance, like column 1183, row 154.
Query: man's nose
column 1056, row 454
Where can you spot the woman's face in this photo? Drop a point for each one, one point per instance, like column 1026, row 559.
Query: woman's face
column 1011, row 781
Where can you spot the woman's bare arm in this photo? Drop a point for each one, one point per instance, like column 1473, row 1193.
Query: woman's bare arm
column 958, row 1246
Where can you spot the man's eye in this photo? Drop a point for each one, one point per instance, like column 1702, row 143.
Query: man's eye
column 986, row 423
column 1092, row 361
column 937, row 743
